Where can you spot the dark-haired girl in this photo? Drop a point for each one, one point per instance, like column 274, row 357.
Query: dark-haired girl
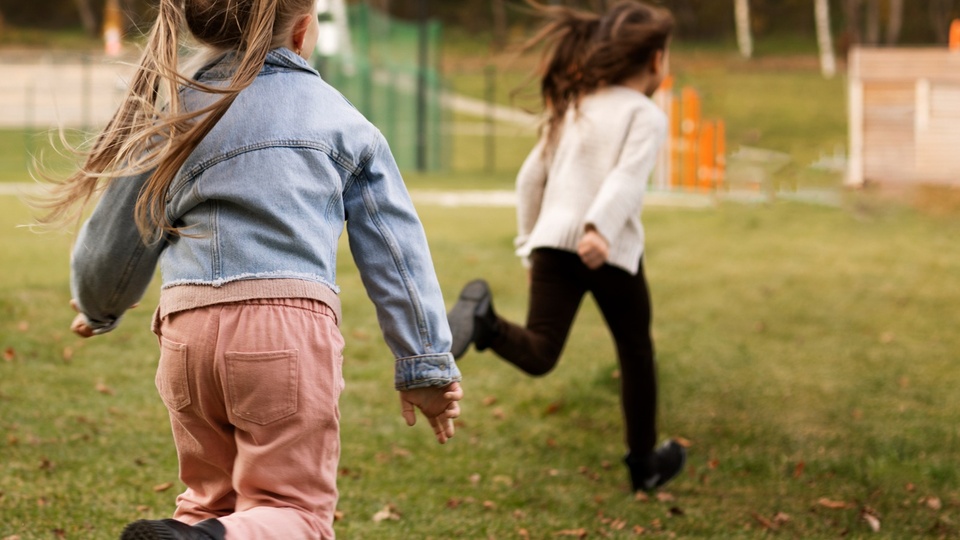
column 580, row 195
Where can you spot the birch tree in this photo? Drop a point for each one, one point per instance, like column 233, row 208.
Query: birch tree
column 741, row 16
column 828, row 61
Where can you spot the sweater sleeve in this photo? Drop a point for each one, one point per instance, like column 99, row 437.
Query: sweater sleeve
column 531, row 181
column 621, row 194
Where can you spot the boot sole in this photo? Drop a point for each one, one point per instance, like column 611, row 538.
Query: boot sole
column 144, row 530
column 461, row 317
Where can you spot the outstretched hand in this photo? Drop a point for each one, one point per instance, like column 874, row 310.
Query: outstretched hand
column 439, row 404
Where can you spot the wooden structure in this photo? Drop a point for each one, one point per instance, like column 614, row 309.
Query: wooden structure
column 904, row 116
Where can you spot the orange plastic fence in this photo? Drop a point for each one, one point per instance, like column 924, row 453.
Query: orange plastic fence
column 955, row 35
column 696, row 149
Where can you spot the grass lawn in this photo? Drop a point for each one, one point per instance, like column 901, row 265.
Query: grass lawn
column 807, row 354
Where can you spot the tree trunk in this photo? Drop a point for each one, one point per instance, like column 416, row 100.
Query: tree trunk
column 828, row 61
column 894, row 23
column 873, row 22
column 940, row 18
column 741, row 16
column 851, row 9
column 499, row 24
column 87, row 18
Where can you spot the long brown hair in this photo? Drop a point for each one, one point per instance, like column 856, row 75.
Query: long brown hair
column 585, row 51
column 151, row 130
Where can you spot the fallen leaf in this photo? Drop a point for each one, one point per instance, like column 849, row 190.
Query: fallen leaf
column 14, row 537
column 489, row 505
column 886, row 337
column 713, row 463
column 9, row 354
column 641, row 496
column 932, row 503
column 454, row 503
column 638, row 530
column 605, row 464
column 618, row 524
column 663, row 496
column 798, row 469
column 870, row 517
column 579, row 533
column 338, row 515
column 781, row 518
column 503, row 480
column 553, row 408
column 498, row 413
column 828, row 503
column 910, row 487
column 163, row 487
column 676, row 511
column 523, row 533
column 67, row 354
column 489, row 400
column 143, row 509
column 684, row 442
column 46, row 464
column 23, row 326
column 903, row 381
column 60, row 533
column 474, row 478
column 764, row 522
column 104, row 389
column 388, row 512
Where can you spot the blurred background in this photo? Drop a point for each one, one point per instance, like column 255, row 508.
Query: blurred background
column 444, row 82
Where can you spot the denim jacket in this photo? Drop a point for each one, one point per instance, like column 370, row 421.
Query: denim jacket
column 265, row 196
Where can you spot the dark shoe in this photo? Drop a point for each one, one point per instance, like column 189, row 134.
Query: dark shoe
column 656, row 468
column 171, row 529
column 472, row 319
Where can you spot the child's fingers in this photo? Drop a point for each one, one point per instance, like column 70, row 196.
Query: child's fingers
column 408, row 412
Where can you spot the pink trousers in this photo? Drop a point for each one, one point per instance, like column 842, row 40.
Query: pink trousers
column 252, row 389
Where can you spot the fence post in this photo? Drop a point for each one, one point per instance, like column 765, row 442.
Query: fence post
column 690, row 109
column 705, row 153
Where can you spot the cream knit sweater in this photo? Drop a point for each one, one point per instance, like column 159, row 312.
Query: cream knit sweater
column 597, row 175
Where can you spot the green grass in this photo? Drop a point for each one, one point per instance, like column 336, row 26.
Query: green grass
column 806, row 353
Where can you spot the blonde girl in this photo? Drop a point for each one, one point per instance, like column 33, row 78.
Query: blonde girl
column 237, row 180
column 580, row 195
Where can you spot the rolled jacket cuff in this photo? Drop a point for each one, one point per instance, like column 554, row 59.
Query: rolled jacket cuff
column 425, row 371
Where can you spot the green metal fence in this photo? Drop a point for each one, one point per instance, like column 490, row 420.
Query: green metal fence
column 383, row 77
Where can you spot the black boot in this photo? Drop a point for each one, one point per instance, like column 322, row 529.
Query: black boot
column 171, row 529
column 472, row 319
column 655, row 469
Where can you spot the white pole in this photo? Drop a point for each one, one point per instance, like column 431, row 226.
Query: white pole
column 741, row 16
column 828, row 62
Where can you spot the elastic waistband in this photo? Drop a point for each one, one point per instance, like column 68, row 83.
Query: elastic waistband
column 262, row 291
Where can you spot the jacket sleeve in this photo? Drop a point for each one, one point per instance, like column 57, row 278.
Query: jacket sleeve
column 622, row 192
column 111, row 266
column 531, row 182
column 390, row 249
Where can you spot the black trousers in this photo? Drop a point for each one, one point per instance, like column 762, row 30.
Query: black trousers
column 559, row 281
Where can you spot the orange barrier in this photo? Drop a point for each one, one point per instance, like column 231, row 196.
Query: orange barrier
column 955, row 35
column 694, row 157
column 112, row 28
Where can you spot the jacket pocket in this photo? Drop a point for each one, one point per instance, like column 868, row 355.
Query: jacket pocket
column 172, row 380
column 262, row 386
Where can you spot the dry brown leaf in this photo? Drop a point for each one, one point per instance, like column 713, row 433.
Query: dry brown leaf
column 475, row 478
column 104, row 389
column 638, row 530
column 46, row 464
column 9, row 354
column 618, row 524
column 684, row 442
column 829, row 503
column 454, row 503
column 163, row 487
column 764, row 522
column 143, row 509
column 780, row 518
column 13, row 537
column 59, row 533
column 489, row 400
column 498, row 413
column 388, row 512
column 579, row 533
column 713, row 463
column 641, row 496
column 798, row 469
column 676, row 511
column 553, row 408
column 23, row 326
column 910, row 487
column 663, row 496
column 523, row 534
column 932, row 503
column 338, row 515
column 489, row 505
column 67, row 354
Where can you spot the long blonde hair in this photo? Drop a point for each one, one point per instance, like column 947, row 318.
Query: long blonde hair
column 151, row 130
